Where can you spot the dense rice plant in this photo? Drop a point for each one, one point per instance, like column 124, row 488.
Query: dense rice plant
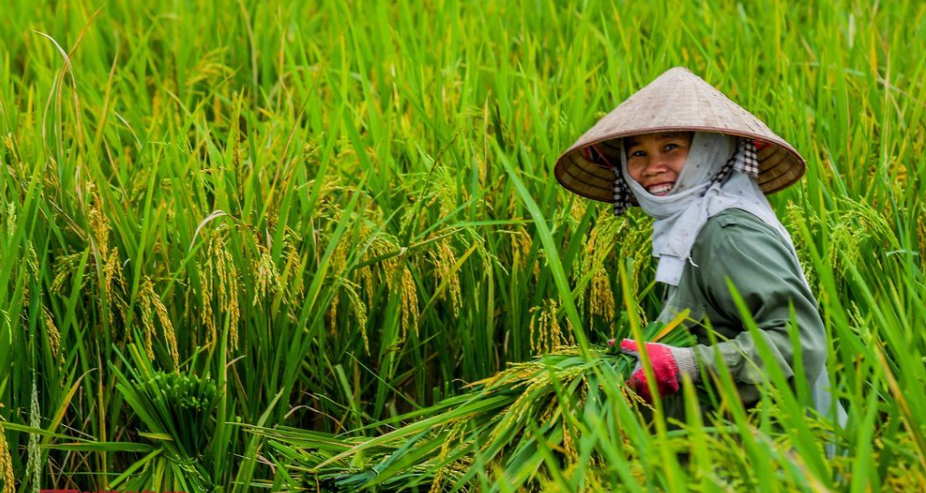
column 343, row 213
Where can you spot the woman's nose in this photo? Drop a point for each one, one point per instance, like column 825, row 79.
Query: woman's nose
column 654, row 167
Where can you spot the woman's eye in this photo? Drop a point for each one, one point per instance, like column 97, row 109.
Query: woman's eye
column 637, row 154
column 669, row 147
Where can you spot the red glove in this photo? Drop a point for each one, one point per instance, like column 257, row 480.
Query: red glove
column 668, row 362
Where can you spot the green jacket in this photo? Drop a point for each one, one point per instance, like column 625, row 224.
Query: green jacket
column 764, row 268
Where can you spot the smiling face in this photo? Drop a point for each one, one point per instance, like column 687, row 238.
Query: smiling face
column 656, row 160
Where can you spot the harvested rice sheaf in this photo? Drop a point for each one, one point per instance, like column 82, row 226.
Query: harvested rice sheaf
column 502, row 425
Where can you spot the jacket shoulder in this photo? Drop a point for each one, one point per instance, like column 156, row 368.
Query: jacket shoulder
column 734, row 228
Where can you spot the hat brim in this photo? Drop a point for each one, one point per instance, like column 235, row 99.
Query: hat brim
column 780, row 166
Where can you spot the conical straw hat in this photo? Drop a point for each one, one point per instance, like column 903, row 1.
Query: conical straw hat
column 677, row 100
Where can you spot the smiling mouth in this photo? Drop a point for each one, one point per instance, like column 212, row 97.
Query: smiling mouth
column 660, row 189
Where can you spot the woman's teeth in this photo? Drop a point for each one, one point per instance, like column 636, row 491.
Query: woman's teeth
column 660, row 189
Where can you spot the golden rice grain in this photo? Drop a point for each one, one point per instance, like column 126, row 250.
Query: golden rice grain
column 294, row 264
column 359, row 310
column 208, row 317
column 151, row 305
column 444, row 259
column 409, row 304
column 219, row 275
column 338, row 263
column 602, row 297
column 106, row 258
column 147, row 318
column 569, row 445
column 268, row 279
column 168, row 329
column 54, row 336
column 545, row 331
column 6, row 462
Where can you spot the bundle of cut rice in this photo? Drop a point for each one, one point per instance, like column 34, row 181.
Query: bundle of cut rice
column 510, row 425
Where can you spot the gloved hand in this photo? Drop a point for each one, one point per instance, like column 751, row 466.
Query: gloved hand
column 669, row 363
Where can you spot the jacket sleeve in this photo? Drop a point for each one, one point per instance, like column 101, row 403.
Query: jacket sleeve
column 768, row 277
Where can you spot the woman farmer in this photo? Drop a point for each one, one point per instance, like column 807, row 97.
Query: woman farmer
column 701, row 165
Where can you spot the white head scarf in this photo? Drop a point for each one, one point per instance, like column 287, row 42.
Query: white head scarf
column 681, row 213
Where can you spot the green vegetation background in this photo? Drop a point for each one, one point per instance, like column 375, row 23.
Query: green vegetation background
column 306, row 214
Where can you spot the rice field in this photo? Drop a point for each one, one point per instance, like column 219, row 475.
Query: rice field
column 282, row 246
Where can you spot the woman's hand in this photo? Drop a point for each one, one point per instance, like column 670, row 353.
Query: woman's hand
column 669, row 364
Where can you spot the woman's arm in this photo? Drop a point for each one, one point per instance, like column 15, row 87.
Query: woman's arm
column 766, row 273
